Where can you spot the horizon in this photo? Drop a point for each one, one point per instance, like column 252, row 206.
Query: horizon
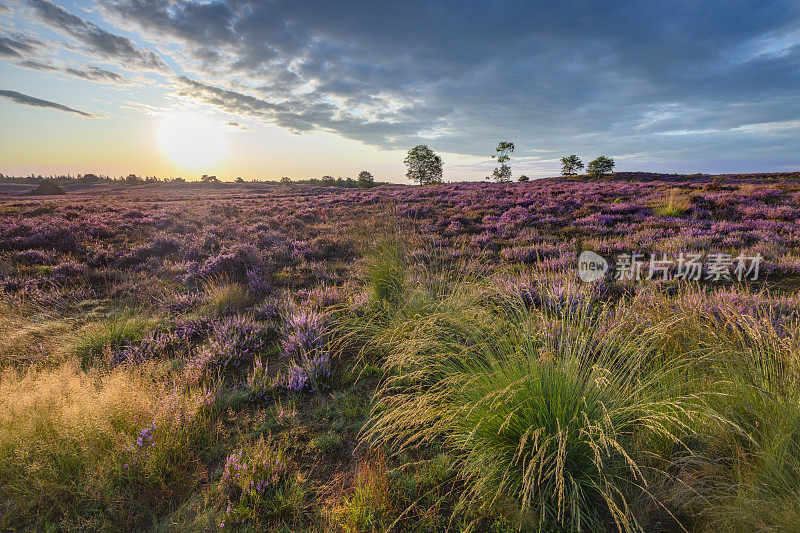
column 262, row 91
column 378, row 182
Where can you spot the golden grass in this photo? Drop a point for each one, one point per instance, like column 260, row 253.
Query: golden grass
column 67, row 445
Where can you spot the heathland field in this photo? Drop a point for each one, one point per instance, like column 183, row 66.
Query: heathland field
column 272, row 357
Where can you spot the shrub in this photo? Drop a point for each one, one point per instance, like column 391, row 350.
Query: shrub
column 47, row 188
column 258, row 483
column 232, row 342
column 310, row 370
column 303, row 332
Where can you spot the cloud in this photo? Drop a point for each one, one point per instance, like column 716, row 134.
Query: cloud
column 90, row 73
column 15, row 48
column 98, row 41
column 307, row 112
column 571, row 76
column 24, row 99
column 28, row 52
column 660, row 80
column 38, row 65
column 97, row 74
column 237, row 125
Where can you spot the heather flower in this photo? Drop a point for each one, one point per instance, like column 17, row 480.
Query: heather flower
column 258, row 383
column 303, row 331
column 270, row 310
column 310, row 370
column 285, row 415
column 250, row 478
column 233, row 341
column 233, row 263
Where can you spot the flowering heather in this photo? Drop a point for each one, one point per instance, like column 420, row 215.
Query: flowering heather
column 270, row 310
column 232, row 342
column 239, row 263
column 285, row 414
column 258, row 383
column 250, row 480
column 310, row 370
column 303, row 331
column 322, row 296
column 474, row 330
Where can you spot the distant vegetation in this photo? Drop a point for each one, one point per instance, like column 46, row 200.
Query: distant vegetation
column 423, row 166
column 570, row 165
column 46, row 188
column 365, row 181
column 601, row 165
column 503, row 156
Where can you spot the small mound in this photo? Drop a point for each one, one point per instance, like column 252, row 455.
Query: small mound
column 47, row 188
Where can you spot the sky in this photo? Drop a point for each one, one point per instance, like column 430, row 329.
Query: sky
column 266, row 88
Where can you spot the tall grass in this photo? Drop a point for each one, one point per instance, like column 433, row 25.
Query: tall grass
column 97, row 450
column 223, row 297
column 91, row 341
column 674, row 204
column 550, row 414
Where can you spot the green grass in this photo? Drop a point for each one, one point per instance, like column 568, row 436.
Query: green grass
column 91, row 341
column 547, row 414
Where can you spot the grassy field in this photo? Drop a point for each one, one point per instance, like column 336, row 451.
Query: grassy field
column 406, row 359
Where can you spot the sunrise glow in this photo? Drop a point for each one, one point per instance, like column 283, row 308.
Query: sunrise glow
column 191, row 140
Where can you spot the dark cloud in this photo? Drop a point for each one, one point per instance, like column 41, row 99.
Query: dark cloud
column 15, row 48
column 97, row 74
column 98, row 41
column 24, row 99
column 606, row 76
column 38, row 65
column 29, row 54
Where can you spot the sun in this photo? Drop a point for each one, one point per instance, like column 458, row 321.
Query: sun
column 192, row 141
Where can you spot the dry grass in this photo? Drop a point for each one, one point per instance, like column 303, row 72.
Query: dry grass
column 68, row 446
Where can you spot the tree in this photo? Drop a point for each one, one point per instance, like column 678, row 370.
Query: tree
column 503, row 172
column 209, row 179
column 365, row 180
column 601, row 165
column 240, row 180
column 328, row 181
column 523, row 178
column 570, row 165
column 286, row 179
column 424, row 166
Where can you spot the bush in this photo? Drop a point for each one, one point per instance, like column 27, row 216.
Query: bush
column 47, row 188
column 258, row 483
column 233, row 342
